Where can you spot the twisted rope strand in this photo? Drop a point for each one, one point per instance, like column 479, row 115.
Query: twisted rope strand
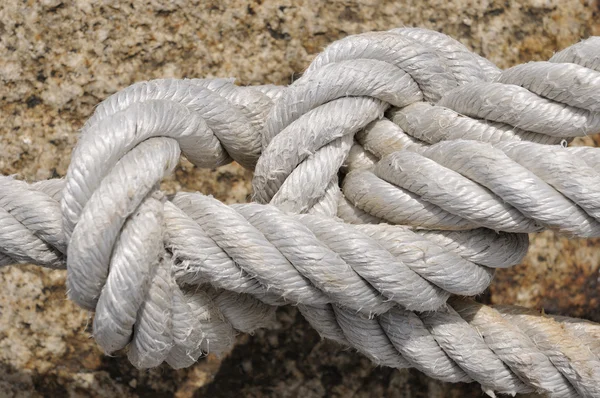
column 507, row 186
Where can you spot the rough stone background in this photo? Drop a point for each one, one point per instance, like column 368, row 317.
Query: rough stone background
column 60, row 58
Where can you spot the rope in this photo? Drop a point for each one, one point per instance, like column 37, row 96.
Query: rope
column 399, row 170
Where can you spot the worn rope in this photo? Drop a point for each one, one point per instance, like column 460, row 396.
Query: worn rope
column 400, row 169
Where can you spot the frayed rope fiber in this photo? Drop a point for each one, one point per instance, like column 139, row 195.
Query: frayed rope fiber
column 390, row 181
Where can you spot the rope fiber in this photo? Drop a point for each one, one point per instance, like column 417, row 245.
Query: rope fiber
column 390, row 181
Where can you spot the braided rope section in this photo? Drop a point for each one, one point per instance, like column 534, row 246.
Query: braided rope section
column 394, row 176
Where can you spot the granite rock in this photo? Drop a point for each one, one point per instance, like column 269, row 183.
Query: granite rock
column 58, row 59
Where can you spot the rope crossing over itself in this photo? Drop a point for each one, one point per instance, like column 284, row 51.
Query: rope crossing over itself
column 390, row 181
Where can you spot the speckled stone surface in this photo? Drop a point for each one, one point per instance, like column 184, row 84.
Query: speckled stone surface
column 60, row 58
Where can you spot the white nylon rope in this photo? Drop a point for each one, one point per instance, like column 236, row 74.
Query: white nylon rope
column 174, row 278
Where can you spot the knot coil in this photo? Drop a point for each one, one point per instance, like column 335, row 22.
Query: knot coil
column 399, row 170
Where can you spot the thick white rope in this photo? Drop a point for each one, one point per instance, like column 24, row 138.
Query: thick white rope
column 174, row 278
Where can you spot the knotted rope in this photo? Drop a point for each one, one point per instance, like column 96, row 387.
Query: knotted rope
column 400, row 169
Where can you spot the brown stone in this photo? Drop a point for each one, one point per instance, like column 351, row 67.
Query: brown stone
column 58, row 59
